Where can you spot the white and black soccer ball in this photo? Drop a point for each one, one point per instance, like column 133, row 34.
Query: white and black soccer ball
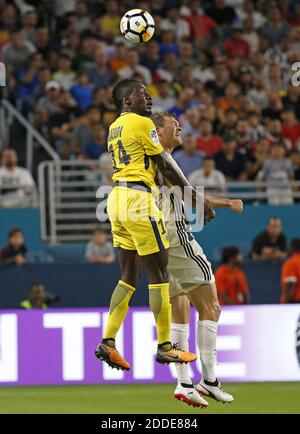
column 137, row 26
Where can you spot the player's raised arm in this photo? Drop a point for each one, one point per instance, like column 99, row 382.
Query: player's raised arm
column 170, row 170
column 223, row 202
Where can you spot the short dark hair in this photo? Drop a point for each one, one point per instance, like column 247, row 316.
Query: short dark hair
column 14, row 231
column 102, row 231
column 295, row 245
column 123, row 88
column 159, row 118
column 35, row 285
column 229, row 253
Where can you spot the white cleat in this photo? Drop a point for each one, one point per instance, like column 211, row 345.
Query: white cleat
column 214, row 392
column 190, row 396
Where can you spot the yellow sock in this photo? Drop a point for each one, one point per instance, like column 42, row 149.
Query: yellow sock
column 159, row 300
column 118, row 308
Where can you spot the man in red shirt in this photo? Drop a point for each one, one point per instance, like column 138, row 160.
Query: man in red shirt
column 290, row 275
column 236, row 46
column 208, row 143
column 199, row 22
column 231, row 281
column 290, row 127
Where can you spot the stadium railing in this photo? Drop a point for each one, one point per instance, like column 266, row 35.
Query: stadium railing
column 8, row 113
column 68, row 200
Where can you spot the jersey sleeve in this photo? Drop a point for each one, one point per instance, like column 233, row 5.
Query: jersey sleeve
column 149, row 137
column 289, row 273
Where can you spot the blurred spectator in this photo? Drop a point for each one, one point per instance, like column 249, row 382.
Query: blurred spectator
column 221, row 13
column 15, row 251
column 133, row 66
column 82, row 91
column 248, row 10
column 290, row 275
column 36, row 298
column 199, row 22
column 81, row 20
column 211, row 179
column 208, row 143
column 99, row 249
column 256, row 130
column 119, row 59
column 271, row 243
column 17, row 187
column 17, row 52
column 100, row 75
column 176, row 24
column 65, row 76
column 257, row 158
column 188, row 158
column 295, row 160
column 277, row 171
column 110, row 21
column 230, row 161
column 290, row 126
column 231, row 281
column 236, row 46
column 275, row 26
column 28, row 82
column 97, row 146
column 164, row 100
column 48, row 104
column 30, row 21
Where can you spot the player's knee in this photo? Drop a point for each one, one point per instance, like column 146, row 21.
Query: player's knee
column 211, row 312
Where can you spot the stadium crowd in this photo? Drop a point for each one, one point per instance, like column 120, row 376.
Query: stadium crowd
column 223, row 67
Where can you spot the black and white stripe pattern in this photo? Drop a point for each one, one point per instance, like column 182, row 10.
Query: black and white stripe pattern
column 186, row 237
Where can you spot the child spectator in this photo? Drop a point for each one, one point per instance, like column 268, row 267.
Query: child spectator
column 15, row 251
column 99, row 249
column 231, row 281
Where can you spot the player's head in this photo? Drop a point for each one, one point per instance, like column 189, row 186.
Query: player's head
column 295, row 245
column 168, row 130
column 232, row 256
column 132, row 96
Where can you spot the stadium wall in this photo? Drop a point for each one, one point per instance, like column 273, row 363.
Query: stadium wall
column 91, row 285
column 57, row 346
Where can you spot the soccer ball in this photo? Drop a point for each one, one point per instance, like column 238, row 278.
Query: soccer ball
column 137, row 26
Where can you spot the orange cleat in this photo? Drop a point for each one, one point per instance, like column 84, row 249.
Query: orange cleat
column 111, row 356
column 172, row 354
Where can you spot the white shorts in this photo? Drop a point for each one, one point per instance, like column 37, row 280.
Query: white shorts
column 188, row 268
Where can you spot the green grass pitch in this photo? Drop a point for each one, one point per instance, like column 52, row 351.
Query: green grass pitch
column 149, row 399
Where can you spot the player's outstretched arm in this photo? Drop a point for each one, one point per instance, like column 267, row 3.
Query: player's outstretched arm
column 223, row 202
column 170, row 170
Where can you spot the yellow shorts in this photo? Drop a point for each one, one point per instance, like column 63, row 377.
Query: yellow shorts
column 136, row 220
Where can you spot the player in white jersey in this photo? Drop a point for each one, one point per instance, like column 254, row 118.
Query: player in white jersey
column 191, row 281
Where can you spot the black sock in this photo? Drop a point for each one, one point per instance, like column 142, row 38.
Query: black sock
column 188, row 386
column 165, row 346
column 109, row 341
column 214, row 383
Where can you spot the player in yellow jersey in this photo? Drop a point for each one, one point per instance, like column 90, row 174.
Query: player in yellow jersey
column 138, row 225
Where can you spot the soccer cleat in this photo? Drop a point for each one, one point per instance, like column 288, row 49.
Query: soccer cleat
column 169, row 353
column 190, row 396
column 111, row 356
column 214, row 392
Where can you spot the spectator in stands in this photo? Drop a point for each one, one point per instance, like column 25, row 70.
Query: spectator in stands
column 81, row 21
column 188, row 158
column 290, row 275
column 257, row 158
column 15, row 251
column 271, row 243
column 176, row 24
column 99, row 249
column 100, row 75
column 221, row 13
column 37, row 298
column 230, row 161
column 275, row 26
column 82, row 91
column 17, row 52
column 110, row 22
column 199, row 22
column 208, row 143
column 49, row 104
column 65, row 76
column 295, row 160
column 133, row 66
column 213, row 180
column 231, row 281
column 236, row 46
column 30, row 21
column 17, row 187
column 165, row 99
column 97, row 146
column 290, row 126
column 277, row 171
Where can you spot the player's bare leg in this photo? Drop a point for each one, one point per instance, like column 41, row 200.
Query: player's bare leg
column 185, row 390
column 159, row 300
column 130, row 268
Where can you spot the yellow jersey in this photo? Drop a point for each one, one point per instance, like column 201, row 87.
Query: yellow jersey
column 132, row 139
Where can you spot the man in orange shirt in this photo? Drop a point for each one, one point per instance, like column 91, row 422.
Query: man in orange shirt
column 231, row 281
column 290, row 275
